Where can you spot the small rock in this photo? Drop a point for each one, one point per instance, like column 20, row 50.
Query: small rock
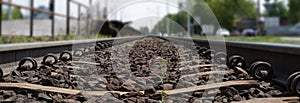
column 43, row 96
column 150, row 91
column 237, row 98
column 9, row 100
column 198, row 94
column 70, row 101
column 21, row 100
column 167, row 86
column 274, row 93
column 116, row 82
column 126, row 88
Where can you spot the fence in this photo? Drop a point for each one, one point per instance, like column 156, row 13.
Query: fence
column 51, row 12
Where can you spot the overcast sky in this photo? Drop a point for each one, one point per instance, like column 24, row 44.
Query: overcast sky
column 59, row 8
column 128, row 10
column 132, row 12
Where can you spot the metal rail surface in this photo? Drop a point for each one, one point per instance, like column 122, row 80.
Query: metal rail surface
column 282, row 58
column 15, row 52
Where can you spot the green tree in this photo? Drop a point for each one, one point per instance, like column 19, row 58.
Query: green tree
column 4, row 16
column 177, row 21
column 145, row 30
column 294, row 11
column 17, row 14
column 228, row 12
column 278, row 9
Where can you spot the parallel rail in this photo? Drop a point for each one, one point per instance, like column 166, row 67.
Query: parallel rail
column 279, row 55
column 15, row 52
column 284, row 58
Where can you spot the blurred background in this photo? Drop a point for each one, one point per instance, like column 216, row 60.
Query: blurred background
column 237, row 20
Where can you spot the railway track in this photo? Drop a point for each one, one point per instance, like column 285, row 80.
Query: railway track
column 142, row 70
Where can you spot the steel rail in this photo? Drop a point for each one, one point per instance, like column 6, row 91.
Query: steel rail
column 14, row 52
column 284, row 58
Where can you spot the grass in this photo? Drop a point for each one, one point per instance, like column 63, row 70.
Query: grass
column 27, row 39
column 268, row 39
column 163, row 95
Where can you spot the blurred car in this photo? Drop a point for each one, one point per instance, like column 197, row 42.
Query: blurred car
column 248, row 32
column 295, row 29
column 235, row 33
column 223, row 32
column 165, row 34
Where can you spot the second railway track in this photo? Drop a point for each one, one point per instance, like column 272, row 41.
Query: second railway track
column 142, row 70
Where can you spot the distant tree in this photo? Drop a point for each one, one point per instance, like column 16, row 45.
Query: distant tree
column 228, row 12
column 4, row 16
column 145, row 30
column 278, row 9
column 17, row 14
column 177, row 21
column 294, row 11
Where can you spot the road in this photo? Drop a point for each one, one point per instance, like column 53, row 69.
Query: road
column 41, row 27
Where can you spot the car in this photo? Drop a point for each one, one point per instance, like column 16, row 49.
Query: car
column 235, row 33
column 295, row 29
column 248, row 32
column 222, row 32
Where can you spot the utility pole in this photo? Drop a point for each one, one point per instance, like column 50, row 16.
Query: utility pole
column 188, row 17
column 258, row 9
column 1, row 18
column 52, row 17
column 267, row 6
column 31, row 18
column 168, row 21
column 9, row 11
column 258, row 15
column 68, row 18
column 105, row 10
column 158, row 16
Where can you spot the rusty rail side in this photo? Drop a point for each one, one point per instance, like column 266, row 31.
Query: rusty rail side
column 284, row 58
column 14, row 52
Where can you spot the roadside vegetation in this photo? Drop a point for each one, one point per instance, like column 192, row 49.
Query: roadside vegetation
column 268, row 39
column 27, row 39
